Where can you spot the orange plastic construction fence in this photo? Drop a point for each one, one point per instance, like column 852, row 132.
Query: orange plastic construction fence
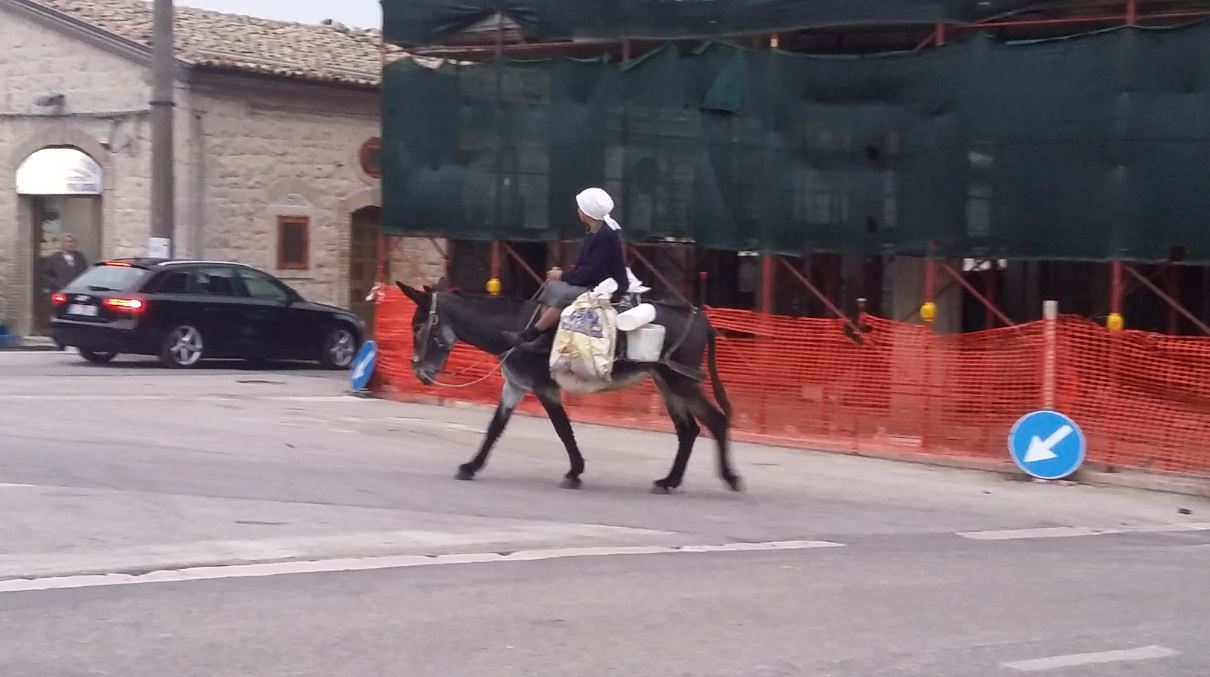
column 1142, row 399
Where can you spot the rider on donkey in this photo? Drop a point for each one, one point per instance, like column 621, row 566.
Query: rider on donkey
column 600, row 259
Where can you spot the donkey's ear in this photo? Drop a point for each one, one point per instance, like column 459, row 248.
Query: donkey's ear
column 442, row 285
column 415, row 295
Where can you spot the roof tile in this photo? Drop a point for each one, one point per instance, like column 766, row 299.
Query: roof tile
column 329, row 53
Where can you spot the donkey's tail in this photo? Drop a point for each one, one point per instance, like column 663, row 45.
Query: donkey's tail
column 720, row 393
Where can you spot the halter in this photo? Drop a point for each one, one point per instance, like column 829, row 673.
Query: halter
column 421, row 350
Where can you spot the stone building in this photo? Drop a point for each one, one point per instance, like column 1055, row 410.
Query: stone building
column 275, row 147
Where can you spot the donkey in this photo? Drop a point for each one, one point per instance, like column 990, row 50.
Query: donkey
column 442, row 318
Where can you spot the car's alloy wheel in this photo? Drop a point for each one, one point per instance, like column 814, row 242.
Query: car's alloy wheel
column 183, row 346
column 340, row 348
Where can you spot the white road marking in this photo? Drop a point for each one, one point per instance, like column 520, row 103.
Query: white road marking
column 1075, row 660
column 387, row 562
column 155, row 556
column 17, row 486
column 1069, row 532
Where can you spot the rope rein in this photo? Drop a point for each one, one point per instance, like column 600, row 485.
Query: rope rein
column 499, row 358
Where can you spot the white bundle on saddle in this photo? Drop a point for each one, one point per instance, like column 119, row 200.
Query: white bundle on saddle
column 581, row 360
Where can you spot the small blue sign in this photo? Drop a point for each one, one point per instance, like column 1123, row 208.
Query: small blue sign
column 1047, row 445
column 363, row 365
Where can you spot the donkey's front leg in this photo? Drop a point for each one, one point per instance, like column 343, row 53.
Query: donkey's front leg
column 552, row 402
column 510, row 397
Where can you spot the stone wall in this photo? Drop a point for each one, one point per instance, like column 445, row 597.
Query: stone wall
column 417, row 261
column 269, row 149
column 104, row 114
column 248, row 150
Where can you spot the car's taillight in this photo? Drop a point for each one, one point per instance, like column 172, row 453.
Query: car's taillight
column 58, row 299
column 125, row 304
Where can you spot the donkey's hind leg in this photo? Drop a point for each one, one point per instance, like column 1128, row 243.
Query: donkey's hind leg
column 719, row 426
column 552, row 402
column 687, row 430
column 510, row 397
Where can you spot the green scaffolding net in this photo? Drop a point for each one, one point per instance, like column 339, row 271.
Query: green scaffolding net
column 1091, row 147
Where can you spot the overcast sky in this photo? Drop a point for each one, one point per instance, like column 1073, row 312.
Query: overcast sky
column 359, row 13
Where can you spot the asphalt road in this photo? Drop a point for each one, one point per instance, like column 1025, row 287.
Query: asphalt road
column 246, row 523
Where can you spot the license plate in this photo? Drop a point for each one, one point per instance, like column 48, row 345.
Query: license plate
column 82, row 309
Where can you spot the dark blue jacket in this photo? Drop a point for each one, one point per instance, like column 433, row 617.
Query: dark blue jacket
column 600, row 259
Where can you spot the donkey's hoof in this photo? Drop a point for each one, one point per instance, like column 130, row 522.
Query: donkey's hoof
column 661, row 487
column 465, row 474
column 735, row 483
column 571, row 483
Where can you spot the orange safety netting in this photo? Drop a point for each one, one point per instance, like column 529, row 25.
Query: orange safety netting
column 1143, row 400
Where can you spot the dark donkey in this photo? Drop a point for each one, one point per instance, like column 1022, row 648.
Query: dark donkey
column 442, row 318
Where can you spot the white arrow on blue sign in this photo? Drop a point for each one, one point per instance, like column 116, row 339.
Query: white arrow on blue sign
column 1047, row 445
column 363, row 365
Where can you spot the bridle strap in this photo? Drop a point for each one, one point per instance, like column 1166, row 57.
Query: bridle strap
column 419, row 352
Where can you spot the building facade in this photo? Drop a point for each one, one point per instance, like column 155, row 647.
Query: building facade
column 275, row 148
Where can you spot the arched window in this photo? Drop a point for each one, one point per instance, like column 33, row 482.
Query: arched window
column 59, row 171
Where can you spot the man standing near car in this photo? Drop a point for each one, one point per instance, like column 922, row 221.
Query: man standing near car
column 62, row 267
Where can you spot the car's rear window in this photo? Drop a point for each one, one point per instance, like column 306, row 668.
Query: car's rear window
column 110, row 278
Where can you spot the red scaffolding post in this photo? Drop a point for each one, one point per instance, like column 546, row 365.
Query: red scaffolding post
column 766, row 284
column 1174, row 291
column 494, row 286
column 990, row 283
column 928, row 313
column 928, row 309
column 766, row 338
column 1114, row 322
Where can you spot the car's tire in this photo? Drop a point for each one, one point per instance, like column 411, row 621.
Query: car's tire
column 182, row 347
column 339, row 347
column 98, row 356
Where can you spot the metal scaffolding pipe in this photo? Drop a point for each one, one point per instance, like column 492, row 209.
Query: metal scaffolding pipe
column 1173, row 303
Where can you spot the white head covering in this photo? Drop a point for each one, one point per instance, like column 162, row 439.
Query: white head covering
column 597, row 204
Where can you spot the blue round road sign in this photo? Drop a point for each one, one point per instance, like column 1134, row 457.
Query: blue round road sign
column 1047, row 445
column 363, row 365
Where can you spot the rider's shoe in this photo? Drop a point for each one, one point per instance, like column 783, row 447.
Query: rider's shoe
column 529, row 340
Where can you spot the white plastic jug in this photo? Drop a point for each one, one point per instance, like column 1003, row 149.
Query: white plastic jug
column 645, row 344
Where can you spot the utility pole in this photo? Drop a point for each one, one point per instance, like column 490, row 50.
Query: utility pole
column 163, row 208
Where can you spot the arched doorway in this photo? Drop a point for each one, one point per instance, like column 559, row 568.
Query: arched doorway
column 61, row 191
column 363, row 261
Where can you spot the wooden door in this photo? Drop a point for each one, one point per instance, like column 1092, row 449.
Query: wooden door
column 363, row 262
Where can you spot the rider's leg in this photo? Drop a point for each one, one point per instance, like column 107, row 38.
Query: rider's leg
column 546, row 319
column 555, row 297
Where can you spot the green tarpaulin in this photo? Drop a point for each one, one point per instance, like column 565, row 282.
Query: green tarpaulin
column 425, row 22
column 1082, row 148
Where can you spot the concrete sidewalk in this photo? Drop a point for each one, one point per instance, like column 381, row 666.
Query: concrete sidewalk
column 15, row 342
